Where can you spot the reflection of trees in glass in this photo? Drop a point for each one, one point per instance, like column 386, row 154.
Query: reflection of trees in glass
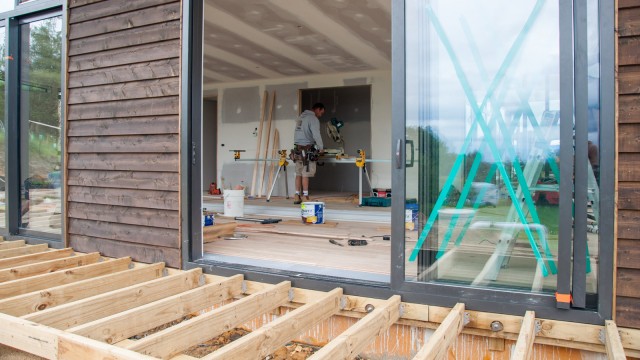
column 42, row 67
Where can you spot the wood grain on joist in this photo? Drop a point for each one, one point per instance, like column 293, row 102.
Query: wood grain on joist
column 265, row 340
column 613, row 343
column 25, row 250
column 356, row 338
column 123, row 325
column 524, row 346
column 109, row 303
column 119, row 278
column 173, row 340
column 445, row 335
column 12, row 244
column 36, row 253
column 44, row 267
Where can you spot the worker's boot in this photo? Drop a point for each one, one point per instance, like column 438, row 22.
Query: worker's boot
column 297, row 199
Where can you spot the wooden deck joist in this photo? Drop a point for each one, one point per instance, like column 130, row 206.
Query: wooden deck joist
column 95, row 307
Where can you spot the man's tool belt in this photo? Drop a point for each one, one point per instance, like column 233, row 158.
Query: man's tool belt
column 304, row 153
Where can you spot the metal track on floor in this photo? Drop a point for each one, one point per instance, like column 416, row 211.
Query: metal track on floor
column 61, row 304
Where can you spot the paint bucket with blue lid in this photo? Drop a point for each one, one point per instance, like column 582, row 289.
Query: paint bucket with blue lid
column 312, row 212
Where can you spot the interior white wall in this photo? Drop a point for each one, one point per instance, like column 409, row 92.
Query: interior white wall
column 239, row 136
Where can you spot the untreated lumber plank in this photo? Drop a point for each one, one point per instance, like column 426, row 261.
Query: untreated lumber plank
column 40, row 254
column 31, row 249
column 123, row 325
column 51, row 343
column 24, row 271
column 211, row 233
column 524, row 346
column 62, row 277
column 55, row 296
column 12, row 244
column 444, row 336
column 177, row 338
column 356, row 338
column 613, row 343
column 99, row 306
column 263, row 341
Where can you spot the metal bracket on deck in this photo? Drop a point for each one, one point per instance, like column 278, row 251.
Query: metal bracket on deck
column 602, row 337
column 538, row 327
column 467, row 318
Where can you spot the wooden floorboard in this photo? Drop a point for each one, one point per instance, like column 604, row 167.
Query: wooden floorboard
column 145, row 311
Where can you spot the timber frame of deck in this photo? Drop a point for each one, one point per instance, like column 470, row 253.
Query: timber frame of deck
column 61, row 304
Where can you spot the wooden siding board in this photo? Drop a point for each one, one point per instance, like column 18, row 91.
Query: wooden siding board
column 125, row 215
column 130, row 162
column 125, row 108
column 628, row 282
column 629, row 138
column 628, row 53
column 622, row 4
column 629, row 22
column 164, row 181
column 77, row 3
column 627, row 311
column 125, row 91
column 148, row 16
column 125, row 144
column 629, row 109
column 126, row 38
column 148, row 199
column 150, row 125
column 629, row 253
column 110, row 8
column 629, row 196
column 137, row 252
column 141, row 53
column 124, row 73
column 629, row 82
column 628, row 167
column 124, row 232
column 629, row 224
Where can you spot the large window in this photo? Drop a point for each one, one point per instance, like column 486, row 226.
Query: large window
column 2, row 128
column 40, row 147
column 494, row 139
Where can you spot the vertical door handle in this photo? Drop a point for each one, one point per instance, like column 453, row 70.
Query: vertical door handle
column 193, row 153
column 399, row 154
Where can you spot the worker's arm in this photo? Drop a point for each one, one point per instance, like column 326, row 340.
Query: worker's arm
column 315, row 130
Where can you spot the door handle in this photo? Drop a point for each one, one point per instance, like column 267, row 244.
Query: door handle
column 412, row 152
column 399, row 154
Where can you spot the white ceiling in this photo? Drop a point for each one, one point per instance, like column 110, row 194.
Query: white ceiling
column 265, row 39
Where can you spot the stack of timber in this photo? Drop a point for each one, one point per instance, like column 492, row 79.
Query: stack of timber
column 61, row 304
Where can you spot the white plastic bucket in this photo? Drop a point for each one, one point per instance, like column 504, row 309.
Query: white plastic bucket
column 312, row 212
column 233, row 202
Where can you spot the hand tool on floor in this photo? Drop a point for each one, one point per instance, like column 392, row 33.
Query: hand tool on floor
column 261, row 221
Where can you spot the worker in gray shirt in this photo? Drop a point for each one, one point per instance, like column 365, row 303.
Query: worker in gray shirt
column 307, row 147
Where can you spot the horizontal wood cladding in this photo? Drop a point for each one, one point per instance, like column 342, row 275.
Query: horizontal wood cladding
column 109, row 8
column 149, row 199
column 164, row 181
column 629, row 253
column 628, row 167
column 126, row 144
column 137, row 252
column 629, row 196
column 134, row 72
column 141, row 53
column 125, row 108
column 628, row 53
column 149, row 125
column 108, row 24
column 629, row 225
column 124, row 162
column 131, row 90
column 629, row 109
column 628, row 283
column 629, row 22
column 123, row 142
column 126, row 38
column 629, row 82
column 125, row 215
column 629, row 138
column 627, row 312
column 622, row 4
column 154, row 236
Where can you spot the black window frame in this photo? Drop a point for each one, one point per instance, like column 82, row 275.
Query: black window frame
column 480, row 299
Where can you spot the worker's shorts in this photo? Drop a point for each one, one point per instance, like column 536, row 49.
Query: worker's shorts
column 301, row 169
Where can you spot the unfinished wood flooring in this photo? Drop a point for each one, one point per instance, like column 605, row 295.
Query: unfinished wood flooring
column 60, row 304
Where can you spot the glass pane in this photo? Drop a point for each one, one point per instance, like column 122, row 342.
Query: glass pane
column 483, row 113
column 2, row 129
column 40, row 154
